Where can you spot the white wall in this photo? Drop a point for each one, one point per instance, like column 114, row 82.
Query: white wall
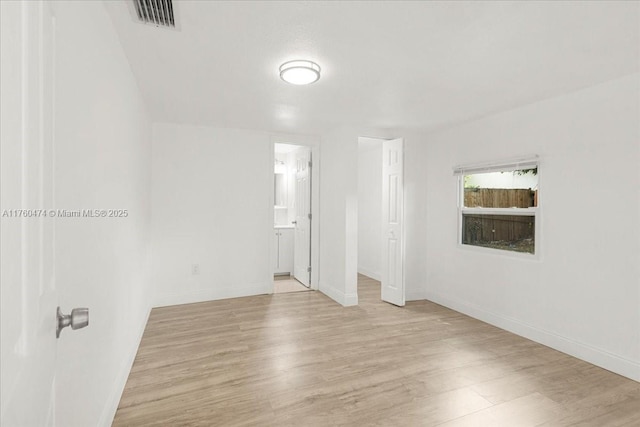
column 211, row 203
column 211, row 189
column 339, row 216
column 102, row 155
column 582, row 295
column 369, row 206
column 415, row 215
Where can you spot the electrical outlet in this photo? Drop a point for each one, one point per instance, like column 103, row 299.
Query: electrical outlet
column 195, row 269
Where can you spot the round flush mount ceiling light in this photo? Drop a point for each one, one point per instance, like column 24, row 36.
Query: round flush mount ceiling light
column 300, row 72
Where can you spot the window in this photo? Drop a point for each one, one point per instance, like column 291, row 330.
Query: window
column 498, row 205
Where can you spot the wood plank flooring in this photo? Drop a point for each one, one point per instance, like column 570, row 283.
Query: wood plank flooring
column 300, row 359
column 285, row 284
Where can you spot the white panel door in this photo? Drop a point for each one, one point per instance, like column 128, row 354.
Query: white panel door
column 302, row 239
column 392, row 276
column 28, row 288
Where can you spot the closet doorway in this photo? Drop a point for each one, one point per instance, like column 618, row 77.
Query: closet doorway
column 381, row 215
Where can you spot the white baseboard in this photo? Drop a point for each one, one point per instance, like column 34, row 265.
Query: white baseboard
column 369, row 273
column 599, row 357
column 223, row 292
column 338, row 296
column 111, row 405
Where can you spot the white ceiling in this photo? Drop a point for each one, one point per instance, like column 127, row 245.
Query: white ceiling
column 389, row 65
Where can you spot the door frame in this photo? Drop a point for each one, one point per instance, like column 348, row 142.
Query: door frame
column 314, row 144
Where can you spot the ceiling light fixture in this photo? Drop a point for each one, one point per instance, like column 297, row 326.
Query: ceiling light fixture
column 300, row 72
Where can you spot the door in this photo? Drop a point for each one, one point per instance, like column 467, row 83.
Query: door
column 302, row 238
column 392, row 274
column 28, row 287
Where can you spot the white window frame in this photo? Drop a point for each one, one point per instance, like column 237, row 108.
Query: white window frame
column 527, row 162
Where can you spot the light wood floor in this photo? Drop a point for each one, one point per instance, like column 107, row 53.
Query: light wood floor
column 285, row 284
column 299, row 359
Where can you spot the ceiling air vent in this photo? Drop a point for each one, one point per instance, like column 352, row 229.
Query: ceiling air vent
column 156, row 12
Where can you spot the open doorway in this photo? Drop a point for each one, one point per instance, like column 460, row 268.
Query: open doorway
column 370, row 207
column 380, row 216
column 292, row 213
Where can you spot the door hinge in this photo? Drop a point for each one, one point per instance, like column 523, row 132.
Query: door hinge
column 309, row 269
column 309, row 216
column 310, row 164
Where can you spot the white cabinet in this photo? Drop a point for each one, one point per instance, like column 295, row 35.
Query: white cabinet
column 283, row 250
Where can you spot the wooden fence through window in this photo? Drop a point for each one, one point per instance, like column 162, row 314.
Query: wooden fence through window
column 494, row 228
column 499, row 198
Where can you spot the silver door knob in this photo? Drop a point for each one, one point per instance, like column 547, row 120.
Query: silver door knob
column 294, row 222
column 78, row 319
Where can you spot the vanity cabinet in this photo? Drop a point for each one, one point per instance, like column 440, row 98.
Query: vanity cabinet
column 283, row 250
